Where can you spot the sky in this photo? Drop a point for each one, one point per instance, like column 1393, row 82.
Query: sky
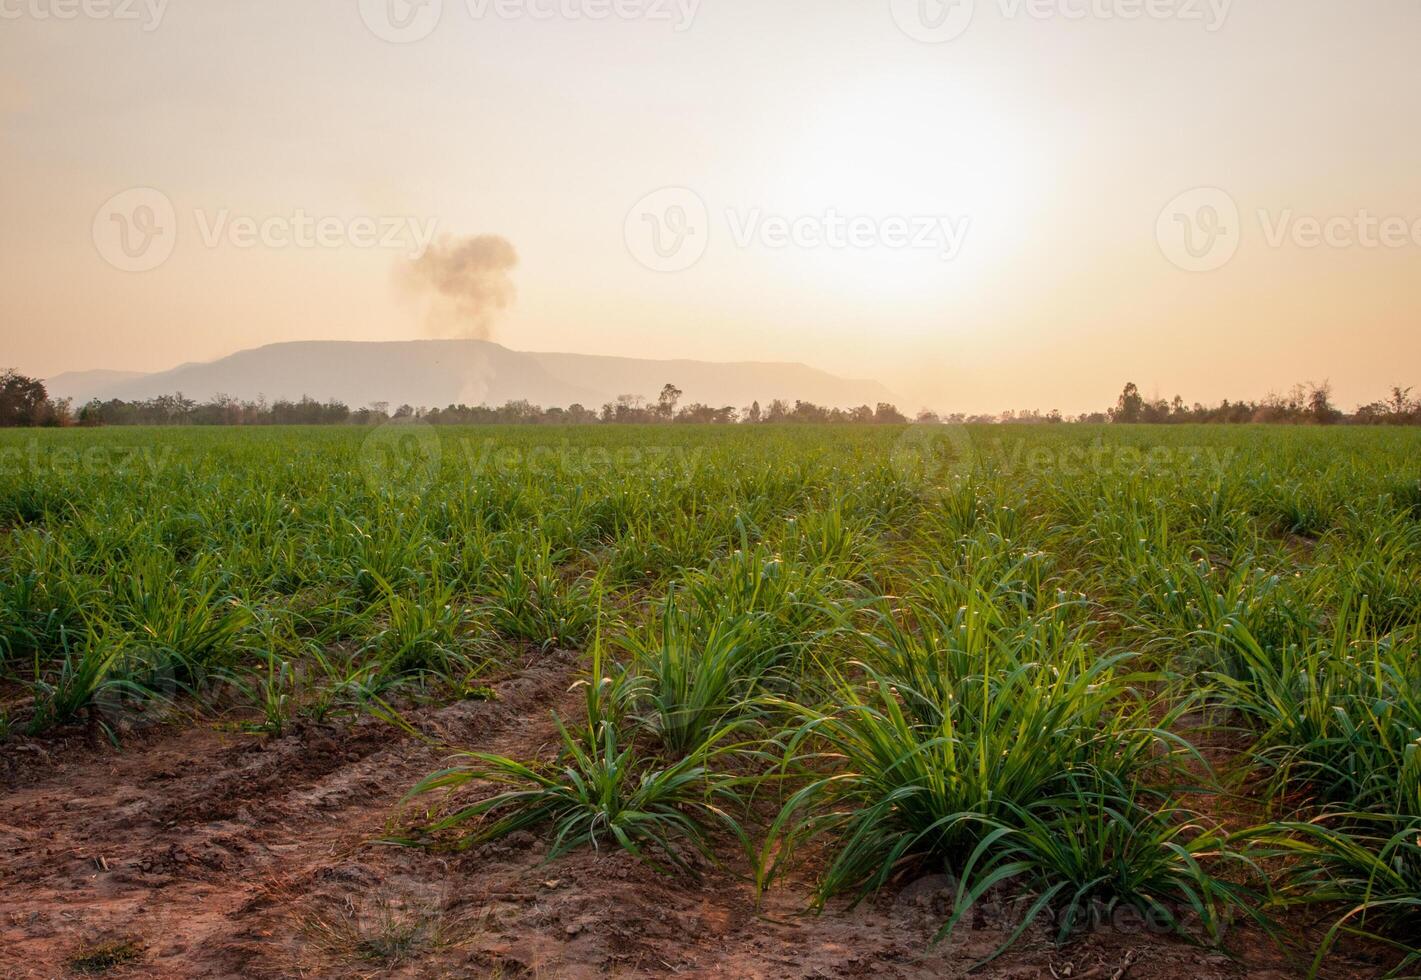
column 984, row 204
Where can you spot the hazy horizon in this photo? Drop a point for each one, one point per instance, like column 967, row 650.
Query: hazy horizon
column 1004, row 204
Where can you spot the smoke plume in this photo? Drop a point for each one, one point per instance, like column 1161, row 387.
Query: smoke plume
column 464, row 283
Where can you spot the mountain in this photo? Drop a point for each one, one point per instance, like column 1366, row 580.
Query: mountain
column 82, row 385
column 713, row 383
column 435, row 373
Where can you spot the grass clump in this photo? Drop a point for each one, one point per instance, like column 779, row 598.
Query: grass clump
column 602, row 788
column 107, row 955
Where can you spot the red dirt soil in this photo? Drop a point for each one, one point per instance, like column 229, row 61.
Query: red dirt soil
column 204, row 853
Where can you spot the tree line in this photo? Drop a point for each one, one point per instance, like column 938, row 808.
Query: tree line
column 1309, row 404
column 24, row 401
column 36, row 408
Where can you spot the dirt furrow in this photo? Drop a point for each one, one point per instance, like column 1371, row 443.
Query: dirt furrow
column 168, row 849
column 217, row 856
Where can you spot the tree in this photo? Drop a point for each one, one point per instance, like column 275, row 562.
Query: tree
column 752, row 414
column 578, row 415
column 92, row 413
column 1373, row 413
column 629, row 409
column 888, row 414
column 666, row 401
column 1155, row 411
column 23, row 401
column 1320, row 404
column 1400, row 405
column 810, row 412
column 1129, row 406
column 706, row 414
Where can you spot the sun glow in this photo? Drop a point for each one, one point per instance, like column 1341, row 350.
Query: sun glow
column 938, row 186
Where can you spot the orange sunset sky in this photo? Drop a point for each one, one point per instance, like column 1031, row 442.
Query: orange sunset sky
column 1055, row 136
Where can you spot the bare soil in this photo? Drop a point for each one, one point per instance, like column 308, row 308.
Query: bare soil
column 202, row 852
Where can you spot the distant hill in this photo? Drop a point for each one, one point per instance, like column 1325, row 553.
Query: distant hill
column 436, row 373
column 80, row 385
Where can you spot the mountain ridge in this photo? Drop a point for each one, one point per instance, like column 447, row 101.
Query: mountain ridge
column 435, row 373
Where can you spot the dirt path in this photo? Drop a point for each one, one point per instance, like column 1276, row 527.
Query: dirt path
column 215, row 855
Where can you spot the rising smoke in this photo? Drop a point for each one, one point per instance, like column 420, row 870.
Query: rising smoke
column 464, row 284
